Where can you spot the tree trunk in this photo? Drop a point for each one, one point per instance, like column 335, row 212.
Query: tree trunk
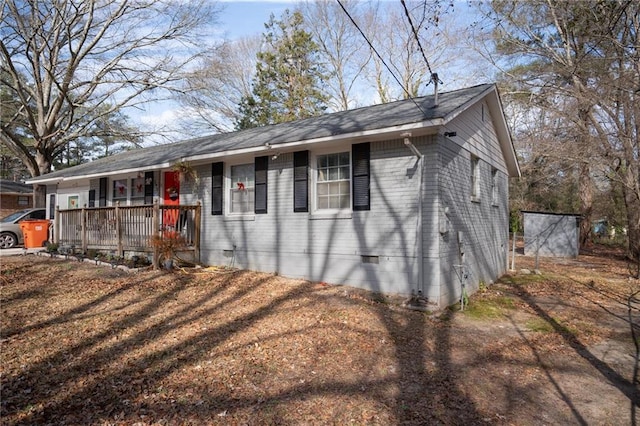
column 585, row 187
column 39, row 195
column 631, row 190
column 40, row 191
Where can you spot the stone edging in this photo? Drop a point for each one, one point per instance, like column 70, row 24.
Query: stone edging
column 91, row 261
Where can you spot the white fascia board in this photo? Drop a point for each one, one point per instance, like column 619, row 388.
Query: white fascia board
column 416, row 129
column 98, row 175
column 462, row 108
column 502, row 129
column 504, row 134
column 41, row 181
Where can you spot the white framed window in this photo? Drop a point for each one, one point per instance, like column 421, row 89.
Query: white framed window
column 475, row 178
column 332, row 181
column 241, row 189
column 120, row 190
column 137, row 188
column 23, row 200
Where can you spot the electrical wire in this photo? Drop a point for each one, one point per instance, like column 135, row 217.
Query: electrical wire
column 380, row 57
column 415, row 35
column 434, row 76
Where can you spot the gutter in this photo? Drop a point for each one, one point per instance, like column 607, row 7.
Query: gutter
column 420, row 231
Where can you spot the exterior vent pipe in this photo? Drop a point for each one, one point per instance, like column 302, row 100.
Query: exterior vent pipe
column 419, row 230
column 436, row 80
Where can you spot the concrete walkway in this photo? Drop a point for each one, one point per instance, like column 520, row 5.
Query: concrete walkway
column 19, row 250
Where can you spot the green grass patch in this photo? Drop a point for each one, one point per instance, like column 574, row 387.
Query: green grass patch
column 539, row 325
column 522, row 279
column 542, row 325
column 489, row 308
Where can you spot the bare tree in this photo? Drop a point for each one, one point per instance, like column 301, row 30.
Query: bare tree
column 405, row 58
column 582, row 59
column 71, row 64
column 218, row 84
column 344, row 50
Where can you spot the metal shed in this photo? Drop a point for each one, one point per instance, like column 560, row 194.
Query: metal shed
column 551, row 234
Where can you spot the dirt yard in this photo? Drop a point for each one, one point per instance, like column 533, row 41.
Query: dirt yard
column 82, row 344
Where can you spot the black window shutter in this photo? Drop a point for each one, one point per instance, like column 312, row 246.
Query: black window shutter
column 92, row 198
column 217, row 188
column 360, row 167
column 52, row 206
column 102, row 192
column 148, row 187
column 301, row 181
column 261, row 172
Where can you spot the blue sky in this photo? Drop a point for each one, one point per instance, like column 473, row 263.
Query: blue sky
column 242, row 18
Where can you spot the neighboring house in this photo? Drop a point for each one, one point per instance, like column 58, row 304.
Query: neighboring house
column 551, row 234
column 14, row 196
column 406, row 198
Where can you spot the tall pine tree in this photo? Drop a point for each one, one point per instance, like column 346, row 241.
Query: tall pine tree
column 289, row 76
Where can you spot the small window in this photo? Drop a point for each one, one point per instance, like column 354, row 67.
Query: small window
column 52, row 206
column 120, row 190
column 242, row 187
column 475, row 178
column 333, row 181
column 137, row 189
column 23, row 200
column 494, row 186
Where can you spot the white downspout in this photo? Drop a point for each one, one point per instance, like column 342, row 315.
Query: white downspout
column 420, row 232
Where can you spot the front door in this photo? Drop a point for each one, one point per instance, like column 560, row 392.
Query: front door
column 171, row 197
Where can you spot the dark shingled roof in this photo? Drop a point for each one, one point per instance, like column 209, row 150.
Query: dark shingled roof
column 357, row 120
column 11, row 187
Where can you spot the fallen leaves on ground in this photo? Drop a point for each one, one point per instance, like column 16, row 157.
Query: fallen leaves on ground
column 91, row 345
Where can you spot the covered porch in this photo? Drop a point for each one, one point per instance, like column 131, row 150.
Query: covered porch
column 122, row 229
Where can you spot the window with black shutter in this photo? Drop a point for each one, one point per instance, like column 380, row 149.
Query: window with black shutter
column 261, row 172
column 102, row 192
column 217, row 188
column 301, row 181
column 92, row 198
column 361, row 176
column 148, row 187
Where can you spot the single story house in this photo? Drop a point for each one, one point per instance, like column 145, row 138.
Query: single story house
column 551, row 234
column 14, row 196
column 408, row 197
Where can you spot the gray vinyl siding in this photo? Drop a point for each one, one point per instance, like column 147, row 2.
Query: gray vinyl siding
column 481, row 224
column 475, row 132
column 307, row 246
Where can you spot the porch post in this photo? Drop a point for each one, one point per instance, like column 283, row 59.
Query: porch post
column 56, row 226
column 83, row 227
column 119, row 229
column 155, row 232
column 196, row 237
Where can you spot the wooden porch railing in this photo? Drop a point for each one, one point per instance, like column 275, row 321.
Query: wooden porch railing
column 126, row 228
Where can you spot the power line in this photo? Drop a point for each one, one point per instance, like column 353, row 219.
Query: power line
column 434, row 76
column 379, row 56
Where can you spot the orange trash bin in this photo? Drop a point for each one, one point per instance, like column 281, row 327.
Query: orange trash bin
column 35, row 232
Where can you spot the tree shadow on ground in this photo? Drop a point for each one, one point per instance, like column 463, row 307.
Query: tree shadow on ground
column 628, row 387
column 113, row 372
